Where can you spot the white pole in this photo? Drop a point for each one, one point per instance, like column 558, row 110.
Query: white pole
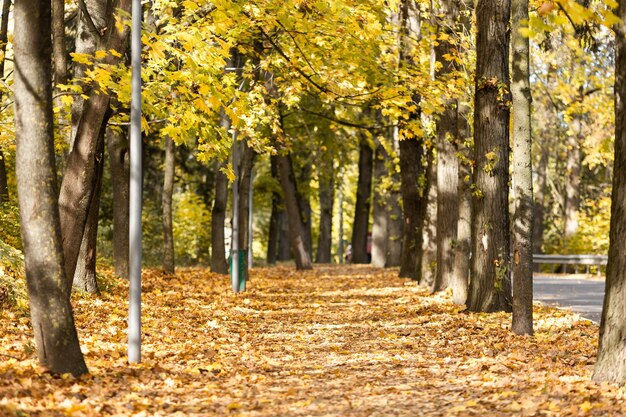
column 134, row 306
column 234, row 251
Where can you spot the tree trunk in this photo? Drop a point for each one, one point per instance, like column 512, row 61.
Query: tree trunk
column 305, row 204
column 429, row 245
column 460, row 277
column 284, row 246
column 50, row 309
column 540, row 197
column 490, row 279
column 4, row 25
column 611, row 363
column 296, row 232
column 58, row 37
column 218, row 219
column 85, row 274
column 360, row 225
column 272, row 239
column 414, row 205
column 245, row 183
column 4, row 187
column 79, row 181
column 168, row 189
column 119, row 164
column 326, row 196
column 395, row 226
column 446, row 142
column 380, row 228
column 572, row 187
column 522, row 174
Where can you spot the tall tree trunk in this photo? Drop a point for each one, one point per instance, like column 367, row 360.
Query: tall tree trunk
column 119, row 164
column 540, row 197
column 414, row 205
column 326, row 196
column 490, row 274
column 296, row 232
column 522, row 174
column 85, row 273
column 79, row 181
column 611, row 363
column 4, row 25
column 429, row 244
column 447, row 162
column 395, row 226
column 572, row 186
column 218, row 219
column 168, row 189
column 4, row 187
column 245, row 183
column 380, row 228
column 59, row 48
column 360, row 225
column 284, row 245
column 273, row 234
column 460, row 277
column 50, row 309
column 304, row 203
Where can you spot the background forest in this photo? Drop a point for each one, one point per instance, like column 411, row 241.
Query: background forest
column 402, row 134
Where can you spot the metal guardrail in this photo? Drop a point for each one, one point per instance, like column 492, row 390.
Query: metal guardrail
column 586, row 260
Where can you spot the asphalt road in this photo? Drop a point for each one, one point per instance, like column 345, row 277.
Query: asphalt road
column 584, row 296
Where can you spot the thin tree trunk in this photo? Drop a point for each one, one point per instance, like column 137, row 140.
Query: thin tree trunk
column 490, row 277
column 395, row 226
column 429, row 244
column 85, row 273
column 296, row 232
column 522, row 174
column 540, row 197
column 50, row 309
column 460, row 277
column 4, row 25
column 59, row 47
column 80, row 174
column 414, row 205
column 611, row 363
column 380, row 228
column 326, row 197
column 572, row 187
column 119, row 164
column 284, row 246
column 305, row 204
column 245, row 182
column 362, row 206
column 272, row 239
column 168, row 189
column 218, row 219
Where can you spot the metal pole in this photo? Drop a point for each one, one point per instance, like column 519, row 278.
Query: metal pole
column 234, row 245
column 134, row 305
column 250, row 219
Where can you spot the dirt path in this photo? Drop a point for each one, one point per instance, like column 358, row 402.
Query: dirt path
column 332, row 342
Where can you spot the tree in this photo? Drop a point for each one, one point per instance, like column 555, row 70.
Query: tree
column 119, row 165
column 168, row 188
column 51, row 312
column 522, row 173
column 380, row 228
column 360, row 225
column 611, row 362
column 4, row 25
column 490, row 284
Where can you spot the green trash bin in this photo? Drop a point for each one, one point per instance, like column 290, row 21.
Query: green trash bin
column 243, row 269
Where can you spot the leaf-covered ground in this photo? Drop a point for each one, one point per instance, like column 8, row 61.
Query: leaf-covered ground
column 338, row 341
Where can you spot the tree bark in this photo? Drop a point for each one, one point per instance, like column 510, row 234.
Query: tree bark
column 572, row 187
column 360, row 225
column 522, row 174
column 51, row 312
column 272, row 239
column 4, row 25
column 304, row 203
column 326, row 197
column 59, row 47
column 429, row 230
column 80, row 174
column 380, row 228
column 395, row 226
column 460, row 277
column 218, row 219
column 119, row 164
column 414, row 206
column 490, row 280
column 245, row 182
column 166, row 197
column 540, row 197
column 284, row 246
column 85, row 274
column 296, row 232
column 611, row 363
